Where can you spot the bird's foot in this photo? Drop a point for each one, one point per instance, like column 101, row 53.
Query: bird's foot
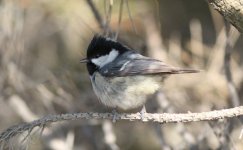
column 114, row 112
column 143, row 112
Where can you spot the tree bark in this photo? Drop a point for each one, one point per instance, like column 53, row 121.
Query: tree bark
column 232, row 10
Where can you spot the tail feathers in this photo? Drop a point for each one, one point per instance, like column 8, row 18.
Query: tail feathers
column 180, row 71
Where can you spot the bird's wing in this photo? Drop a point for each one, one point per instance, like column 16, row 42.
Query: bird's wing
column 140, row 66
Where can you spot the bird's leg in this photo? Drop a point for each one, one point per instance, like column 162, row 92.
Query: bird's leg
column 142, row 112
column 114, row 112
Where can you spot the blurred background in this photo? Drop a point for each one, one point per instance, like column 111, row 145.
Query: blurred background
column 42, row 41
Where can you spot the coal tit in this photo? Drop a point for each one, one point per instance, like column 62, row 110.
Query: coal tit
column 121, row 77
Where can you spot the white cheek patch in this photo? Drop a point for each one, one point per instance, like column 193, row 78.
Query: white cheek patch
column 103, row 60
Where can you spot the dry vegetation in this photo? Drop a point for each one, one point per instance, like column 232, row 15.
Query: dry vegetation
column 41, row 43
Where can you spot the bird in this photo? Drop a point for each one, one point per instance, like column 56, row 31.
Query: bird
column 121, row 77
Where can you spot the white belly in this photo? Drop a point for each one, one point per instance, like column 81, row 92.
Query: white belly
column 120, row 94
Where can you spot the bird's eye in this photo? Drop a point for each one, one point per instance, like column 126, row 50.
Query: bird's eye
column 96, row 56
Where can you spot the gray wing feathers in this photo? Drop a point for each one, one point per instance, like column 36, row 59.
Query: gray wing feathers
column 143, row 67
column 136, row 64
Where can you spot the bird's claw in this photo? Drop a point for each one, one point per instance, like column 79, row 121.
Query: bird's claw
column 114, row 112
column 143, row 112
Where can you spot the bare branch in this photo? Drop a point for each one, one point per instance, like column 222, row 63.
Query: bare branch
column 147, row 117
column 130, row 17
column 232, row 37
column 119, row 20
column 96, row 14
column 108, row 19
column 231, row 10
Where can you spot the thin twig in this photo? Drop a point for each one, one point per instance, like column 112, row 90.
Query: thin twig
column 157, row 13
column 108, row 19
column 228, row 49
column 147, row 117
column 119, row 20
column 130, row 17
column 232, row 36
column 96, row 14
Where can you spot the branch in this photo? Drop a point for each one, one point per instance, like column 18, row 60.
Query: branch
column 119, row 20
column 108, row 19
column 147, row 117
column 232, row 10
column 96, row 14
column 130, row 17
column 232, row 37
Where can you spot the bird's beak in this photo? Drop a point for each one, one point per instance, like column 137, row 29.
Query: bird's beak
column 84, row 60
